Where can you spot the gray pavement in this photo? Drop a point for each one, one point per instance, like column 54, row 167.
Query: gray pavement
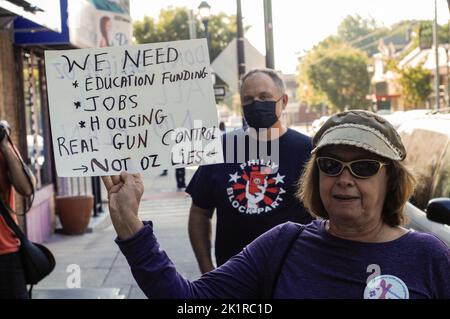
column 103, row 270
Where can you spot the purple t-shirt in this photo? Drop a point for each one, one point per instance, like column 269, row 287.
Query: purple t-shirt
column 318, row 265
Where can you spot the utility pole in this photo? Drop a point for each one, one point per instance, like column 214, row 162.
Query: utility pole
column 268, row 25
column 446, row 52
column 240, row 42
column 436, row 52
column 192, row 29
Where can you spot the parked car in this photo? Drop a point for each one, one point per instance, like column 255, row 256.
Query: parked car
column 233, row 123
column 399, row 117
column 427, row 141
column 317, row 124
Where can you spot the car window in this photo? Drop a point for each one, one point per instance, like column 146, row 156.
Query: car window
column 424, row 151
column 441, row 187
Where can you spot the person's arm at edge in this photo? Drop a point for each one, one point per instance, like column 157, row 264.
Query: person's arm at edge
column 16, row 173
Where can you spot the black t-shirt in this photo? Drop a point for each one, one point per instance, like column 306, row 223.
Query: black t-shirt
column 253, row 195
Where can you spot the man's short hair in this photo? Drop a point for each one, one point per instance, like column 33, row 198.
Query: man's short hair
column 274, row 75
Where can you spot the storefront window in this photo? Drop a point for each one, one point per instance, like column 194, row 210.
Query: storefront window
column 35, row 111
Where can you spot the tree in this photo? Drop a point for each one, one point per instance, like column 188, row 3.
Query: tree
column 424, row 31
column 415, row 83
column 306, row 91
column 173, row 24
column 222, row 28
column 334, row 73
column 361, row 33
column 342, row 76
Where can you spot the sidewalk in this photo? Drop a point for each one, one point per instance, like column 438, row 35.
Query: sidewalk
column 103, row 270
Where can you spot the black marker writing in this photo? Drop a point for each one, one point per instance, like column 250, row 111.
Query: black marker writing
column 75, row 146
column 109, row 103
column 105, row 83
column 117, row 165
column 183, row 76
column 128, row 141
column 148, row 57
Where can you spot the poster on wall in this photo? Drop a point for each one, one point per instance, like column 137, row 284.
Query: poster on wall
column 99, row 23
column 132, row 108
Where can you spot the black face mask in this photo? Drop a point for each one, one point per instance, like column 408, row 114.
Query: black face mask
column 261, row 114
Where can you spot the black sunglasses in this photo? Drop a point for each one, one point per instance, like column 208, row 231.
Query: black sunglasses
column 363, row 168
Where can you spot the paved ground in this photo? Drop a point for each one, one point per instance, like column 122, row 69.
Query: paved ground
column 102, row 267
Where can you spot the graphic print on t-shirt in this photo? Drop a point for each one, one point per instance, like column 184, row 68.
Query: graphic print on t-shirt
column 254, row 188
column 386, row 287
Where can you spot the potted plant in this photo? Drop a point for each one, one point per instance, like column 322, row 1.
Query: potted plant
column 74, row 213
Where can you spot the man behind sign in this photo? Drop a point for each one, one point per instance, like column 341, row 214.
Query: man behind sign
column 257, row 194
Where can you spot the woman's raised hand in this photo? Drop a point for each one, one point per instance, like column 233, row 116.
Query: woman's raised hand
column 124, row 195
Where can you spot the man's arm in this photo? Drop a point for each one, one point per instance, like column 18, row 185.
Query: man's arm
column 16, row 173
column 200, row 236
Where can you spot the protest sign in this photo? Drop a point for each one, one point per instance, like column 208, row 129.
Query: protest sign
column 133, row 108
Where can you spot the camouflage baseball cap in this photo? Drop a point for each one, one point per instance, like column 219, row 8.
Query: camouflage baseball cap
column 362, row 129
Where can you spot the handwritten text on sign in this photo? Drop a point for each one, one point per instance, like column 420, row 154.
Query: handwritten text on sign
column 134, row 108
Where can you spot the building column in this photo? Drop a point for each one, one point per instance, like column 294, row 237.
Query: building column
column 8, row 79
column 9, row 103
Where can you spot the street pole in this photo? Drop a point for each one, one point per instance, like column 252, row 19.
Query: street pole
column 447, row 88
column 240, row 42
column 436, row 52
column 192, row 29
column 270, row 60
column 446, row 54
column 205, row 24
column 240, row 52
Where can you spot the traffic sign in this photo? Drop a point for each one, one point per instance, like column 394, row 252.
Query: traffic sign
column 220, row 90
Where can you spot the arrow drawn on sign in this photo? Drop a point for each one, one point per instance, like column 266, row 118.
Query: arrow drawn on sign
column 83, row 167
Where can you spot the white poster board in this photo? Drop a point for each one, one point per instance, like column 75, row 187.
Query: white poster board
column 133, row 108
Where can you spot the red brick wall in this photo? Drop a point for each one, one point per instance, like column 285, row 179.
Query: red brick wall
column 8, row 101
column 8, row 91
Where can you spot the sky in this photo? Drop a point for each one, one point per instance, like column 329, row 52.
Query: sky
column 299, row 24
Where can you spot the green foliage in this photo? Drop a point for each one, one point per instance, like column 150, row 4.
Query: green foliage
column 173, row 24
column 222, row 28
column 415, row 83
column 306, row 92
column 336, row 74
column 361, row 33
column 424, row 31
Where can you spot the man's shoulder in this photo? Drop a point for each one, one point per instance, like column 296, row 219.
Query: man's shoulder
column 294, row 134
column 297, row 141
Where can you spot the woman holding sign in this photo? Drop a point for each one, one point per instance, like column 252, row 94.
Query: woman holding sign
column 356, row 183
